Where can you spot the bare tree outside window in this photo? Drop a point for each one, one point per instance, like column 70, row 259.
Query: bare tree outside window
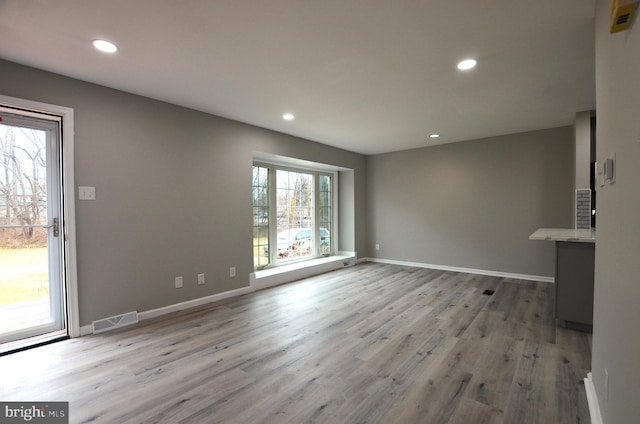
column 23, row 185
column 295, row 214
column 295, row 199
column 260, row 189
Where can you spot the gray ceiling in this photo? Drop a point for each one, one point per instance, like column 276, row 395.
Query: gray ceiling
column 369, row 76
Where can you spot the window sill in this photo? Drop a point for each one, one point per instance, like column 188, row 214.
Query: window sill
column 291, row 272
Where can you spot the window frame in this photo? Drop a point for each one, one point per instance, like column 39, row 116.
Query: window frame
column 272, row 168
column 254, row 226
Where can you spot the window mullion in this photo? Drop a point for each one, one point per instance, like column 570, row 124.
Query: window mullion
column 334, row 214
column 273, row 216
column 316, row 214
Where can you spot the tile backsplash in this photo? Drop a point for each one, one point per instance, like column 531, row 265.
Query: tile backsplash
column 583, row 208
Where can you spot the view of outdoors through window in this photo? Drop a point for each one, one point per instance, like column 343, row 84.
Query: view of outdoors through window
column 301, row 229
column 24, row 273
column 294, row 214
column 326, row 214
column 260, row 216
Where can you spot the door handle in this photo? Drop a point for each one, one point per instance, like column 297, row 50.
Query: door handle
column 55, row 226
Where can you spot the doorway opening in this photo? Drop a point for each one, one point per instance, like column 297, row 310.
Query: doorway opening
column 38, row 301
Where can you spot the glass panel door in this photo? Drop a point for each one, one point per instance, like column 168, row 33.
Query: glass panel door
column 31, row 283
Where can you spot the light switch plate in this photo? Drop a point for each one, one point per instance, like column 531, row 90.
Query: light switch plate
column 610, row 169
column 86, row 193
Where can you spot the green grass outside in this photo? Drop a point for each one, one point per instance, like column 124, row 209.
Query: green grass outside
column 24, row 274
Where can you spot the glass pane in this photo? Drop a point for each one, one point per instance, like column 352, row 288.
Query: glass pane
column 325, row 215
column 24, row 258
column 295, row 215
column 325, row 239
column 260, row 216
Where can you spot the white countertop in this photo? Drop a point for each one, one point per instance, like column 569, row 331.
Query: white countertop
column 564, row 234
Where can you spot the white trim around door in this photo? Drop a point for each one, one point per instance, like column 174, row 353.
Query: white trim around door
column 68, row 198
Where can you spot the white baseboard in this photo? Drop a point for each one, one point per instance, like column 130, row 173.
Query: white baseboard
column 153, row 313
column 592, row 400
column 269, row 278
column 284, row 275
column 466, row 270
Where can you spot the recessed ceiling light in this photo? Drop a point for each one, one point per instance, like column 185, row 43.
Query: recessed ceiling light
column 105, row 46
column 288, row 117
column 434, row 135
column 467, row 64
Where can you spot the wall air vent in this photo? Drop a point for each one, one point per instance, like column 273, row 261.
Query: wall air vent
column 622, row 19
column 622, row 12
column 114, row 322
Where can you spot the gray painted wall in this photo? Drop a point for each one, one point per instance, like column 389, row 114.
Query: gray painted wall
column 473, row 204
column 346, row 206
column 616, row 326
column 173, row 193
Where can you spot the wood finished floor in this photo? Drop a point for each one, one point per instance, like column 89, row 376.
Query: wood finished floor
column 373, row 343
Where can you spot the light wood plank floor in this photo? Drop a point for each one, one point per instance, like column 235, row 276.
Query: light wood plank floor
column 373, row 343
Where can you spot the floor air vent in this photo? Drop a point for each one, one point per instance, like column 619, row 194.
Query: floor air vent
column 117, row 321
column 489, row 292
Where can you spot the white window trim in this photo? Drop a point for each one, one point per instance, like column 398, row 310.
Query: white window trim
column 68, row 195
column 316, row 171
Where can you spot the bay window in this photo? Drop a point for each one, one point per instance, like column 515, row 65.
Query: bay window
column 293, row 214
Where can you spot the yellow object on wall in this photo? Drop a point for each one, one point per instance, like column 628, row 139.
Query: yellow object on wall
column 622, row 12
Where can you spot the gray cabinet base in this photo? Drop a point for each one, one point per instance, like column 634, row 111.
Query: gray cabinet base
column 574, row 285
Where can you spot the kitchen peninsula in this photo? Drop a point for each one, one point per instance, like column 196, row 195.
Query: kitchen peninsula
column 575, row 258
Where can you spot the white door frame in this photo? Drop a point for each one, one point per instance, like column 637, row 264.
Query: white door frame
column 68, row 220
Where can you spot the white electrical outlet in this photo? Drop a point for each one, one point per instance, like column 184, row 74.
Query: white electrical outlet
column 178, row 282
column 200, row 279
column 232, row 271
column 377, row 246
